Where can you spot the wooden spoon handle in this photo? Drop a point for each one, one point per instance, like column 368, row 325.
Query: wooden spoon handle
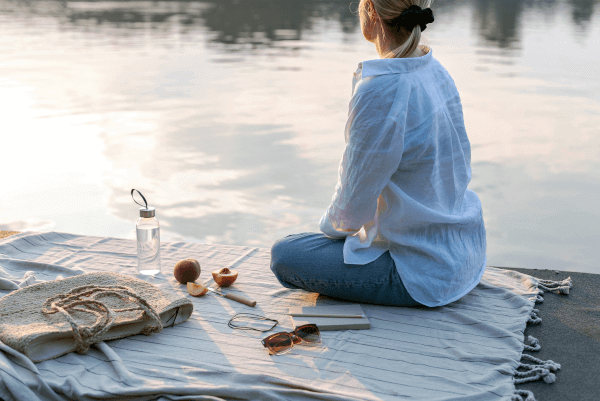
column 241, row 299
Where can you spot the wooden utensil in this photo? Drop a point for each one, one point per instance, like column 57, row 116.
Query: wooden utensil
column 234, row 297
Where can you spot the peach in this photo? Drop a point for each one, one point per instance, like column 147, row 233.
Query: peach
column 186, row 270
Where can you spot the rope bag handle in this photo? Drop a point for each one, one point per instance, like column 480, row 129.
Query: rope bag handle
column 87, row 299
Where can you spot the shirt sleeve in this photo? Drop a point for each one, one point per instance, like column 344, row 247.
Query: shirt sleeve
column 374, row 144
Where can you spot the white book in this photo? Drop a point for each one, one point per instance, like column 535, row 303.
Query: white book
column 302, row 315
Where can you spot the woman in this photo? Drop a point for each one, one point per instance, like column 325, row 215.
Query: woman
column 402, row 228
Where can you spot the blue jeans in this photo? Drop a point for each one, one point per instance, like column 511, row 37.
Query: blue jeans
column 314, row 262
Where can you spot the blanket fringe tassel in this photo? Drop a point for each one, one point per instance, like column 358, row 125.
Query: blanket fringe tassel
column 544, row 369
column 519, row 394
column 534, row 318
column 557, row 287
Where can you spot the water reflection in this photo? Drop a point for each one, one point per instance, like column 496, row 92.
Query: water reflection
column 221, row 182
column 498, row 20
column 583, row 12
column 257, row 23
column 251, row 24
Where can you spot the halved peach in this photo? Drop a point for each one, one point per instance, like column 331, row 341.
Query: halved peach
column 224, row 277
column 196, row 290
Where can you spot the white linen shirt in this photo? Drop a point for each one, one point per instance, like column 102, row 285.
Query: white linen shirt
column 403, row 180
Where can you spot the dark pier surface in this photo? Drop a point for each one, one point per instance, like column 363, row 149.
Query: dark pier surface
column 570, row 335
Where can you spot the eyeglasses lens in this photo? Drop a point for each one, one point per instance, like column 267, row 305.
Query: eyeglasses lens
column 309, row 334
column 279, row 343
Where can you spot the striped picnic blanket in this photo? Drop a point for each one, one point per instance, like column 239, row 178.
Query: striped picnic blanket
column 467, row 350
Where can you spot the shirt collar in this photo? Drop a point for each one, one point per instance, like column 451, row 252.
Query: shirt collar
column 384, row 66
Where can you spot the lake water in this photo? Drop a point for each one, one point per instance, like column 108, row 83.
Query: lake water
column 228, row 115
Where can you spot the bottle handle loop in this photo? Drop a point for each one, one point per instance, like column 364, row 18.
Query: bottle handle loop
column 145, row 201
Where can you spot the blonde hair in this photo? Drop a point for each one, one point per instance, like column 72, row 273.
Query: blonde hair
column 390, row 9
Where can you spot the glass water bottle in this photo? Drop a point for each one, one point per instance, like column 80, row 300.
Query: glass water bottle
column 148, row 240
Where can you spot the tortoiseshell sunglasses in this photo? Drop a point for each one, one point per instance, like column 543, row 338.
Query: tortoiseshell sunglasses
column 281, row 343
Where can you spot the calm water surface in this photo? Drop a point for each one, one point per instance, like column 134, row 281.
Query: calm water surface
column 229, row 117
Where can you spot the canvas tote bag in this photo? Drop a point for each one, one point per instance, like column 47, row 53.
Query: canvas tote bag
column 50, row 319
